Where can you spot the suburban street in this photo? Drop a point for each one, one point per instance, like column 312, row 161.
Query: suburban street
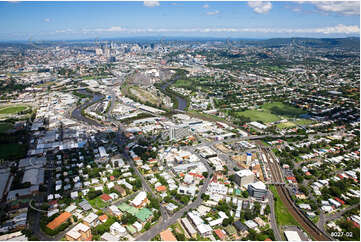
column 160, row 226
column 166, row 219
column 325, row 218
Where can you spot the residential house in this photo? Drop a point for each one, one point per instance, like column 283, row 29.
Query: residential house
column 61, row 219
column 80, row 232
column 118, row 230
column 140, row 200
column 91, row 220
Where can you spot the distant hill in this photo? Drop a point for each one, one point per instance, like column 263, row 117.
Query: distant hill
column 345, row 43
column 350, row 43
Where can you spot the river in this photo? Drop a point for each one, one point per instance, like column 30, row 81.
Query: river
column 182, row 103
column 76, row 114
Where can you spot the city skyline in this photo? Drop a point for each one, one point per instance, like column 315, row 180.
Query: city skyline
column 252, row 19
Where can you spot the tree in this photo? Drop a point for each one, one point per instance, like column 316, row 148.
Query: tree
column 180, row 237
column 154, row 203
column 248, row 215
column 226, row 221
column 257, row 208
column 245, row 194
column 185, row 199
column 231, row 177
column 128, row 219
column 299, row 178
column 168, row 199
column 304, row 189
column 147, row 226
column 205, row 197
column 138, row 183
column 93, row 194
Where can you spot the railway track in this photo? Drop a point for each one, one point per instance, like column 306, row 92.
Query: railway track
column 305, row 223
column 284, row 195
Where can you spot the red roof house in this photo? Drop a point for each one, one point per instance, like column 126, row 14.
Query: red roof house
column 105, row 197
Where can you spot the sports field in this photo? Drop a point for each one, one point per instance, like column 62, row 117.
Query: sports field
column 272, row 112
column 257, row 115
column 279, row 108
column 12, row 109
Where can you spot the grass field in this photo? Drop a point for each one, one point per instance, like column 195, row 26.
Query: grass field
column 5, row 126
column 144, row 95
column 97, row 203
column 286, row 125
column 283, row 217
column 12, row 109
column 183, row 83
column 279, row 108
column 304, row 122
column 272, row 112
column 256, row 115
column 12, row 151
column 294, row 123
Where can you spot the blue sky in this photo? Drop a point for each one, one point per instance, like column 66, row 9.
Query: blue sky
column 252, row 19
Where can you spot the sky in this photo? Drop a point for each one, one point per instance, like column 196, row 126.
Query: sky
column 25, row 20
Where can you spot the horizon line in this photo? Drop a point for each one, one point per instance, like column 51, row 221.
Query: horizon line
column 173, row 38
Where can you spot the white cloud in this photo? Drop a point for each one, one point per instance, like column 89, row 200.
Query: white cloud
column 205, row 6
column 337, row 29
column 260, row 7
column 65, row 31
column 213, row 12
column 151, row 3
column 344, row 8
column 47, row 20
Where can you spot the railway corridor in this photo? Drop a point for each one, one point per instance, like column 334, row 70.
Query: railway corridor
column 278, row 181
